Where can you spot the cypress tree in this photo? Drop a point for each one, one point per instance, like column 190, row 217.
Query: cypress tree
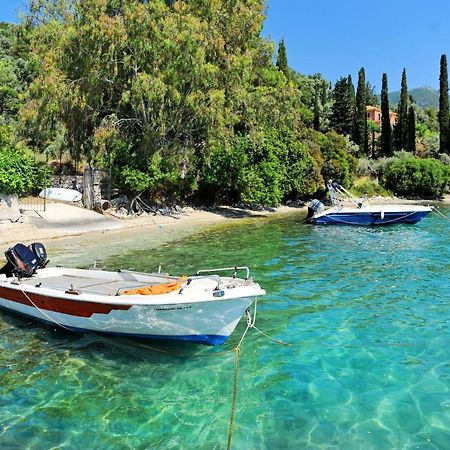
column 343, row 112
column 282, row 62
column 360, row 130
column 316, row 110
column 412, row 130
column 339, row 105
column 444, row 126
column 386, row 132
column 401, row 127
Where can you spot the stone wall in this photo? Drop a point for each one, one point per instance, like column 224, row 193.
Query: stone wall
column 89, row 184
column 68, row 182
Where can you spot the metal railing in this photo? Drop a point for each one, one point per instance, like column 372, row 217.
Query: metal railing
column 227, row 269
column 33, row 204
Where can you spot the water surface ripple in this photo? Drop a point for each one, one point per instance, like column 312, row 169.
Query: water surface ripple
column 366, row 310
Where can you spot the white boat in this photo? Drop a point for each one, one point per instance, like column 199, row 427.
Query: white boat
column 61, row 195
column 204, row 308
column 360, row 211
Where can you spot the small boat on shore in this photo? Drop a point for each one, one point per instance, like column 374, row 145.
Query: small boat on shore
column 360, row 211
column 204, row 308
column 61, row 195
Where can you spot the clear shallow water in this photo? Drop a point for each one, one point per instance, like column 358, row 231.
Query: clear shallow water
column 366, row 309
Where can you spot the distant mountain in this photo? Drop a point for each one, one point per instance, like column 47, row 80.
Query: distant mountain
column 424, row 96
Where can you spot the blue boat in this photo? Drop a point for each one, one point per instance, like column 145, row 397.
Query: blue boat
column 347, row 210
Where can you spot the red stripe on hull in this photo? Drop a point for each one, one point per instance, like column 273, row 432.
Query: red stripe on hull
column 60, row 305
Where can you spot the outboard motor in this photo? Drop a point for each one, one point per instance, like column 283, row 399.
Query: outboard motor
column 39, row 250
column 315, row 206
column 23, row 261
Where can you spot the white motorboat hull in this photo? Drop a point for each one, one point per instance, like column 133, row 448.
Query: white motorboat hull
column 194, row 313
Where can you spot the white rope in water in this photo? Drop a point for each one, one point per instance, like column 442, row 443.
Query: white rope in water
column 439, row 213
column 43, row 313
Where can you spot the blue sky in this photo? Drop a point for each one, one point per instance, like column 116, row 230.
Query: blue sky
column 336, row 38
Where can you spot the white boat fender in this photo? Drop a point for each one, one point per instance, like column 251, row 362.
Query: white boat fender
column 382, row 213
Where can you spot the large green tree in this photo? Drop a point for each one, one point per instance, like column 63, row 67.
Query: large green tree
column 444, row 126
column 401, row 127
column 386, row 129
column 360, row 130
column 170, row 94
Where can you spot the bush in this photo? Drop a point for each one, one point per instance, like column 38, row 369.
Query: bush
column 263, row 167
column 16, row 167
column 418, row 177
column 339, row 165
column 369, row 188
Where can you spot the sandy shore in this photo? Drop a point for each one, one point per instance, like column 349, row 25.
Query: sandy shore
column 62, row 220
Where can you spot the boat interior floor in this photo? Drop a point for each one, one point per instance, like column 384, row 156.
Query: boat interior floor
column 85, row 285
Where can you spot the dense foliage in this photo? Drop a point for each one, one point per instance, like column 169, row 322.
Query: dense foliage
column 183, row 100
column 18, row 173
column 414, row 176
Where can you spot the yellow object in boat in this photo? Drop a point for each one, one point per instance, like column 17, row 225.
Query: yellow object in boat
column 157, row 289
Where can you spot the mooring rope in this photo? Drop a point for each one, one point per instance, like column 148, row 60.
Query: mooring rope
column 439, row 213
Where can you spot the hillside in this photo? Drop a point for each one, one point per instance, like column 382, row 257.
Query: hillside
column 424, row 96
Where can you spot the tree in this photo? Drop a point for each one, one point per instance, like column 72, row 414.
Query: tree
column 282, row 62
column 401, row 127
column 316, row 111
column 360, row 130
column 444, row 126
column 386, row 131
column 371, row 97
column 343, row 111
column 372, row 128
column 411, row 130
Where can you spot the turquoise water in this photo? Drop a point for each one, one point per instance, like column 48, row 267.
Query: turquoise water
column 367, row 311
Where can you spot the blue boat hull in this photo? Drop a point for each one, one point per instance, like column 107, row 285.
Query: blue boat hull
column 370, row 218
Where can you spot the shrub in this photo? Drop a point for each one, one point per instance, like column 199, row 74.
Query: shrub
column 369, row 188
column 413, row 176
column 339, row 165
column 17, row 174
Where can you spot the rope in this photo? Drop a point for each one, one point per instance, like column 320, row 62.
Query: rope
column 43, row 313
column 286, row 344
column 233, row 405
column 439, row 213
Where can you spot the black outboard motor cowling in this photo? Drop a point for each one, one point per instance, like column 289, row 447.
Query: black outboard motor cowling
column 23, row 261
column 39, row 250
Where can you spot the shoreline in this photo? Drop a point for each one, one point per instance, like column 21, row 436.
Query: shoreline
column 62, row 222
